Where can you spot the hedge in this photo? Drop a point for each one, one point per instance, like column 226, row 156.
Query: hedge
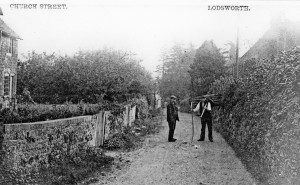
column 42, row 112
column 260, row 117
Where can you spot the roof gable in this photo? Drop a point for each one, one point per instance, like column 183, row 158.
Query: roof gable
column 283, row 36
column 4, row 28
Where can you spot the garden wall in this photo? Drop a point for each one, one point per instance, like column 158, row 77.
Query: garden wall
column 29, row 146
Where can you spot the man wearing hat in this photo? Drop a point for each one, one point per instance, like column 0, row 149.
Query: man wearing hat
column 172, row 117
column 205, row 108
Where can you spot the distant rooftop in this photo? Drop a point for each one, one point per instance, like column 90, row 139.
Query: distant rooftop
column 282, row 35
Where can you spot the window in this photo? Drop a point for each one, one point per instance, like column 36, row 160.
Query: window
column 6, row 84
column 10, row 45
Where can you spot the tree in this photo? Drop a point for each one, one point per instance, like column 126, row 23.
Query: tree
column 174, row 78
column 208, row 65
column 91, row 76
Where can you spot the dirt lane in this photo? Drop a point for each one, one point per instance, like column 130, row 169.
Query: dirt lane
column 161, row 162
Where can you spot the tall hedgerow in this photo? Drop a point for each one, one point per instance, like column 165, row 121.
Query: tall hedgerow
column 91, row 76
column 260, row 117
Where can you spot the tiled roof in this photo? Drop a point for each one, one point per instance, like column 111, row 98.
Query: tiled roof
column 4, row 28
column 274, row 40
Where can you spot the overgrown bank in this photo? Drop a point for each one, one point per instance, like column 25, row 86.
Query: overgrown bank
column 132, row 136
column 260, row 117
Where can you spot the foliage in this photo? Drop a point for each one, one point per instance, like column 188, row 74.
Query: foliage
column 229, row 53
column 185, row 105
column 174, row 79
column 143, row 107
column 66, row 168
column 131, row 136
column 91, row 76
column 121, row 141
column 208, row 65
column 63, row 169
column 42, row 112
column 260, row 117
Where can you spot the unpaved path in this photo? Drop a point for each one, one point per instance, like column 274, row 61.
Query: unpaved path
column 161, row 162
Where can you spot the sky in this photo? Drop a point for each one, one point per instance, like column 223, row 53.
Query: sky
column 144, row 27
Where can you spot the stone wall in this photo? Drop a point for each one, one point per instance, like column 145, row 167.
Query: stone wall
column 29, row 145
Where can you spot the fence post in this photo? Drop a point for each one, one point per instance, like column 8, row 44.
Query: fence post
column 1, row 140
column 125, row 122
column 106, row 127
column 133, row 113
column 98, row 136
column 128, row 115
column 99, row 129
column 101, row 125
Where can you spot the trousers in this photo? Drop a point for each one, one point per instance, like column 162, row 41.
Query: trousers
column 172, row 125
column 206, row 121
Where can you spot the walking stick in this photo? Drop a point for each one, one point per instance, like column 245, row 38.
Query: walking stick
column 205, row 107
column 192, row 137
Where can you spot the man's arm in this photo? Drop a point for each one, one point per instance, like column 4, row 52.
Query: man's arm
column 197, row 107
column 168, row 112
column 176, row 113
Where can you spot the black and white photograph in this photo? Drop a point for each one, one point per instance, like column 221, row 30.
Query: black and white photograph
column 149, row 92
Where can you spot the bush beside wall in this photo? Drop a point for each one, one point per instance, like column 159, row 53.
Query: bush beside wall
column 25, row 113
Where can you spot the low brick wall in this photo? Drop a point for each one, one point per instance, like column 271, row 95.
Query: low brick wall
column 28, row 145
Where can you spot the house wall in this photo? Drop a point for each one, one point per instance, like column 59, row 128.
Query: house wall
column 8, row 62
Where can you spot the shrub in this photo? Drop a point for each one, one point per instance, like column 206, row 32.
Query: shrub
column 260, row 117
column 130, row 137
column 185, row 105
column 42, row 112
column 143, row 108
column 64, row 169
column 121, row 141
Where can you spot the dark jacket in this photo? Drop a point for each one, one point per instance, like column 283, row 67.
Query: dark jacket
column 172, row 112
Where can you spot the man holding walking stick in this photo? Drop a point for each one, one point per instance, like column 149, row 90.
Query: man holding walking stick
column 205, row 108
